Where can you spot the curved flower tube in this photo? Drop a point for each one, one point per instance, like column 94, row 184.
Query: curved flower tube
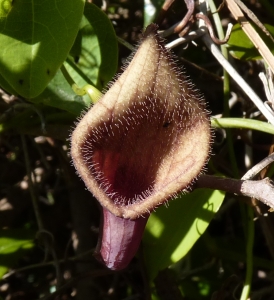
column 119, row 240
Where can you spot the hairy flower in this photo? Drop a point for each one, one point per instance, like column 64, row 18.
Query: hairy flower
column 146, row 139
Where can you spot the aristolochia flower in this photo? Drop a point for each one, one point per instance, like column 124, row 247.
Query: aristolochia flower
column 145, row 140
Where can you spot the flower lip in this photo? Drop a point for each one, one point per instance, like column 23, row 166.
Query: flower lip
column 147, row 138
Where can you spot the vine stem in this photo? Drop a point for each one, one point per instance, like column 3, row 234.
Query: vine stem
column 226, row 88
column 49, row 263
column 222, row 57
column 249, row 253
column 231, row 71
column 45, row 234
column 242, row 124
column 31, row 186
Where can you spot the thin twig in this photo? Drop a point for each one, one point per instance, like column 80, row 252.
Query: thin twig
column 187, row 38
column 235, row 75
column 259, row 167
column 47, row 239
column 31, row 186
column 238, row 79
column 47, row 243
column 49, row 263
column 166, row 5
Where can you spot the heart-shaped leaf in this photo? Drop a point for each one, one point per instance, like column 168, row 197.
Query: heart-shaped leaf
column 92, row 60
column 94, row 56
column 35, row 38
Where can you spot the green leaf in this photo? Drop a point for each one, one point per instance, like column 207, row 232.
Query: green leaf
column 35, row 38
column 13, row 244
column 59, row 94
column 242, row 48
column 6, row 86
column 94, row 56
column 171, row 232
column 93, row 60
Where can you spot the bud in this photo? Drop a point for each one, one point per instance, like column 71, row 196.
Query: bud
column 146, row 139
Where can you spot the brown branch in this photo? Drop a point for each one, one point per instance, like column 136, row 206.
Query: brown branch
column 190, row 4
column 183, row 26
column 262, row 190
column 167, row 4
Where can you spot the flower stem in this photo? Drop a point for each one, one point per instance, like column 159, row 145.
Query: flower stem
column 249, row 254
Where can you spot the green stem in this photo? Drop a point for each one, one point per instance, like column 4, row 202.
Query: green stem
column 226, row 113
column 125, row 43
column 45, row 240
column 249, row 254
column 242, row 124
column 250, row 222
column 93, row 93
column 31, row 186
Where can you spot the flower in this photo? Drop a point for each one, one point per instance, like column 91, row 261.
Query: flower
column 144, row 141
